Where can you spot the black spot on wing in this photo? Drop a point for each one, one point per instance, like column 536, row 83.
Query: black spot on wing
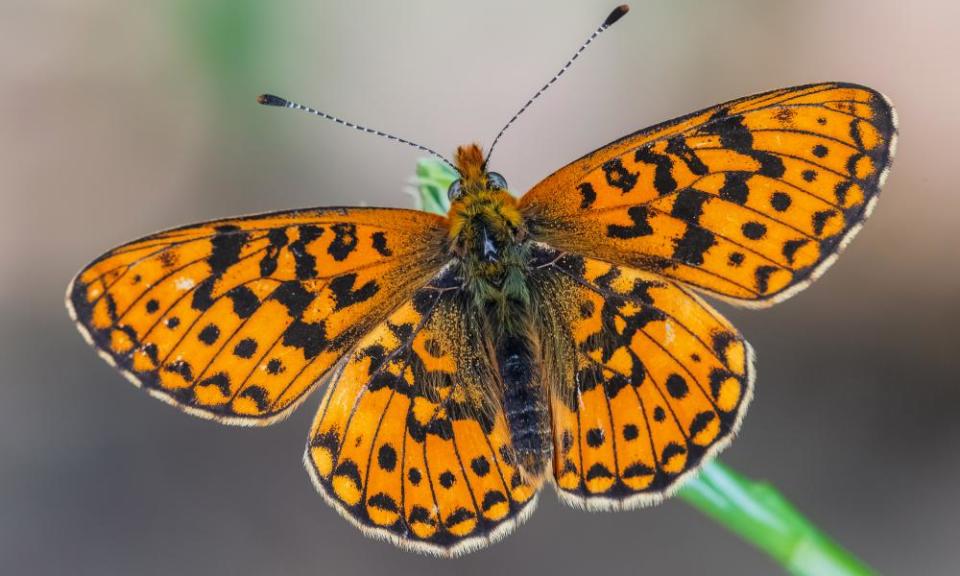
column 278, row 239
column 618, row 176
column 754, row 230
column 152, row 352
column 595, row 437
column 275, row 366
column 677, row 386
column 344, row 241
column 691, row 247
column 820, row 220
column 344, row 293
column 840, row 191
column 617, row 382
column 181, row 367
column 329, row 440
column 387, row 457
column 670, row 450
column 420, row 515
column 589, row 195
column 700, row 422
column 413, row 474
column 304, row 262
column 762, row 276
column 663, row 179
column 294, row 296
column 678, row 147
column 720, row 340
column 383, row 502
column 447, row 479
column 245, row 348
column 640, row 227
column 227, row 244
column 221, row 380
column 737, row 137
column 637, row 469
column 790, row 248
column 348, row 468
column 258, row 394
column 209, row 334
column 380, row 244
column 599, row 471
column 480, row 466
column 459, row 515
column 780, row 201
column 688, row 205
column 202, row 295
column 735, row 187
column 659, row 414
column 307, row 336
column 245, row 301
column 491, row 499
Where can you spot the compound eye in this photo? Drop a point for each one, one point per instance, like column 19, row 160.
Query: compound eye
column 453, row 192
column 497, row 181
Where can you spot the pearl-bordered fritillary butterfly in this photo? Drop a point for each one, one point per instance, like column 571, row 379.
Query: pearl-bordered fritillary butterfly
column 468, row 360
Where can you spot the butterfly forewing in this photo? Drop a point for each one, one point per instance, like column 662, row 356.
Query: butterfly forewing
column 749, row 200
column 237, row 319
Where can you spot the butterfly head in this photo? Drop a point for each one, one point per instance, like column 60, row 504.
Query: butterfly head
column 474, row 177
column 485, row 222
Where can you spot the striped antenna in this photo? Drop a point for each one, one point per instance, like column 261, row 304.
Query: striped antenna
column 271, row 100
column 617, row 14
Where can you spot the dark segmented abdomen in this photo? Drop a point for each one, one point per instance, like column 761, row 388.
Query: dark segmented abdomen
column 525, row 404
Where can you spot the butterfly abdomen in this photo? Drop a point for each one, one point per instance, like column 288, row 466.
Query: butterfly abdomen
column 524, row 404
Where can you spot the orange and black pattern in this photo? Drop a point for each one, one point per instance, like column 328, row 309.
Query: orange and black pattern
column 749, row 200
column 654, row 379
column 237, row 319
column 472, row 359
column 409, row 441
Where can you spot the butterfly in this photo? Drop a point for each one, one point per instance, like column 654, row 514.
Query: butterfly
column 468, row 360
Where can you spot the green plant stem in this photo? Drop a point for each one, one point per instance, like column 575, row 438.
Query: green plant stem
column 762, row 516
column 756, row 511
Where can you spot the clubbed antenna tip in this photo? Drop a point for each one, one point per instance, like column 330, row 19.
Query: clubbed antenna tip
column 271, row 100
column 617, row 14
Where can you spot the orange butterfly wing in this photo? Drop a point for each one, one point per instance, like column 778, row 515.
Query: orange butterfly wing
column 237, row 319
column 749, row 200
column 650, row 380
column 408, row 443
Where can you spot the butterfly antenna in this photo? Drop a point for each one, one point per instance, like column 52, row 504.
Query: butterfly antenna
column 617, row 14
column 271, row 100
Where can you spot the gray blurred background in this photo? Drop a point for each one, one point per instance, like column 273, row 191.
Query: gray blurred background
column 121, row 118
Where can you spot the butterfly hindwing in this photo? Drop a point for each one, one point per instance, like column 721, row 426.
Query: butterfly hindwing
column 650, row 380
column 408, row 442
column 237, row 319
column 749, row 200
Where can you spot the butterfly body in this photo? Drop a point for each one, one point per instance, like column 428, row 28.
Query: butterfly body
column 469, row 360
column 491, row 248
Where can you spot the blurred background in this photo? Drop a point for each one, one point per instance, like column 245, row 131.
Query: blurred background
column 122, row 118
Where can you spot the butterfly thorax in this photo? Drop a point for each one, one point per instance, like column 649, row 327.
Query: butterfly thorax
column 489, row 240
